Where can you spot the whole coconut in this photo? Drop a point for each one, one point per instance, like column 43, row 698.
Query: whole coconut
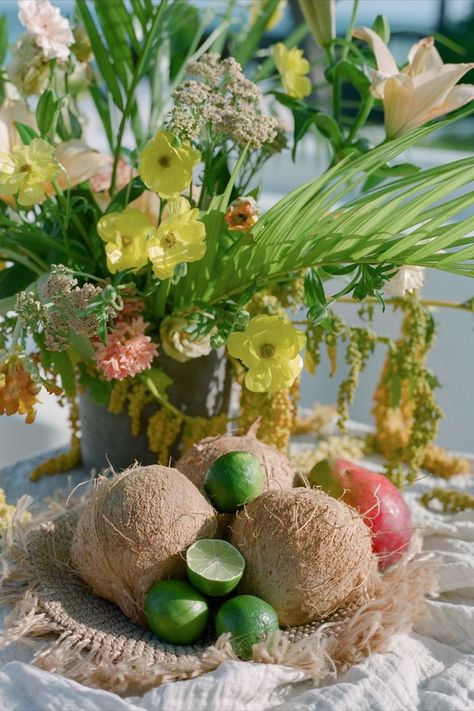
column 134, row 531
column 279, row 471
column 306, row 553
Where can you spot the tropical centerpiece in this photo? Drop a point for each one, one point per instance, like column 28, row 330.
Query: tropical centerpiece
column 143, row 284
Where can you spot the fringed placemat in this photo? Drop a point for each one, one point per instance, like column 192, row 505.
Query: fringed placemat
column 88, row 639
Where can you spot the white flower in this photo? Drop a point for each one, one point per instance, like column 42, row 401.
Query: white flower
column 50, row 29
column 176, row 343
column 406, row 281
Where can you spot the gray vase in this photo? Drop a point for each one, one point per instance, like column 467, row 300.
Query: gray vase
column 201, row 388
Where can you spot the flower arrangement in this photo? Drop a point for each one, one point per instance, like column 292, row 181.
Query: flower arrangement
column 117, row 260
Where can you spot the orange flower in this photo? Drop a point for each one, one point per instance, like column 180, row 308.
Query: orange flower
column 241, row 214
column 18, row 389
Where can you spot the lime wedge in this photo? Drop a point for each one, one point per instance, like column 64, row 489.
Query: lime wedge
column 214, row 566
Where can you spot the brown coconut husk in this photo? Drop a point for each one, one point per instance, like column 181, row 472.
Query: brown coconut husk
column 306, row 553
column 280, row 473
column 134, row 531
column 88, row 639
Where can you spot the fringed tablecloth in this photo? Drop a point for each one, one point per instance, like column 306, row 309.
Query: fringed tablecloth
column 430, row 669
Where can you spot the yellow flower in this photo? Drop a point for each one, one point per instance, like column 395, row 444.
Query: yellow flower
column 179, row 238
column 125, row 234
column 269, row 348
column 256, row 10
column 166, row 165
column 27, row 170
column 320, row 16
column 292, row 67
column 423, row 90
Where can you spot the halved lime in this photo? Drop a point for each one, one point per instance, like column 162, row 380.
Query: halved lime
column 214, row 566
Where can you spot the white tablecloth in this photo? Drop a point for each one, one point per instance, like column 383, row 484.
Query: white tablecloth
column 432, row 669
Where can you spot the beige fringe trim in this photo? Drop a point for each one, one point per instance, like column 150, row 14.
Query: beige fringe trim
column 399, row 601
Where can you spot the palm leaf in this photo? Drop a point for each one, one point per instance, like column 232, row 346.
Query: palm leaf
column 415, row 220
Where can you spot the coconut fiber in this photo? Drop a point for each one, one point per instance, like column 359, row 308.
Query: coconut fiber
column 90, row 640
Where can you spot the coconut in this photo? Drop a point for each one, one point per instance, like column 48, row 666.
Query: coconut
column 306, row 554
column 134, row 531
column 279, row 471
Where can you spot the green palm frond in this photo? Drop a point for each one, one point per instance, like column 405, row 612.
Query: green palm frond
column 414, row 220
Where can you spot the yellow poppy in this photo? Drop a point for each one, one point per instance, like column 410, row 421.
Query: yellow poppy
column 179, row 238
column 269, row 348
column 166, row 165
column 125, row 234
column 292, row 67
column 27, row 170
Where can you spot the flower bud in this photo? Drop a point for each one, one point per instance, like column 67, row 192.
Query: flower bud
column 382, row 28
column 321, row 18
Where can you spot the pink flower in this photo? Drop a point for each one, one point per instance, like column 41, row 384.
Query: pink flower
column 50, row 29
column 127, row 352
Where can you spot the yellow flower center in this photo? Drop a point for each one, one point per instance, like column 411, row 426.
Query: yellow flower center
column 168, row 241
column 26, row 168
column 267, row 350
column 126, row 240
column 164, row 161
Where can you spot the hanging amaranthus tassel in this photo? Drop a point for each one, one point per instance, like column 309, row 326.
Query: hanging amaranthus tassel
column 279, row 410
column 197, row 428
column 450, row 500
column 68, row 460
column 406, row 413
column 163, row 430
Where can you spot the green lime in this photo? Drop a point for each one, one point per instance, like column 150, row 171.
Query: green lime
column 214, row 566
column 249, row 620
column 176, row 612
column 234, row 479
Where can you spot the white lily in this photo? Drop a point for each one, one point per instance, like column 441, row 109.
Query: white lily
column 423, row 90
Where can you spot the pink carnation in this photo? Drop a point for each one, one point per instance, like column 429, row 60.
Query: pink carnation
column 128, row 351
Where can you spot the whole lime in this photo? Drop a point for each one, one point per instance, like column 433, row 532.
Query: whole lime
column 234, row 479
column 176, row 612
column 249, row 619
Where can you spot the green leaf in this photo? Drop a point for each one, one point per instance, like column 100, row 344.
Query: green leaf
column 346, row 71
column 14, row 279
column 158, row 382
column 27, row 133
column 329, row 128
column 63, row 366
column 111, row 17
column 183, row 28
column 247, row 43
column 129, row 193
column 3, row 38
column 101, row 54
column 314, row 288
column 389, row 171
column 99, row 389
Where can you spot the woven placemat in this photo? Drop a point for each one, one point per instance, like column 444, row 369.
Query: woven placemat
column 91, row 641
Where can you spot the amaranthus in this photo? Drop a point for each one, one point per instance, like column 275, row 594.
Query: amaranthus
column 162, row 431
column 451, row 500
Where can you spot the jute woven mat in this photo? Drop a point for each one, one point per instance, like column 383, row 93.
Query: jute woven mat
column 90, row 640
